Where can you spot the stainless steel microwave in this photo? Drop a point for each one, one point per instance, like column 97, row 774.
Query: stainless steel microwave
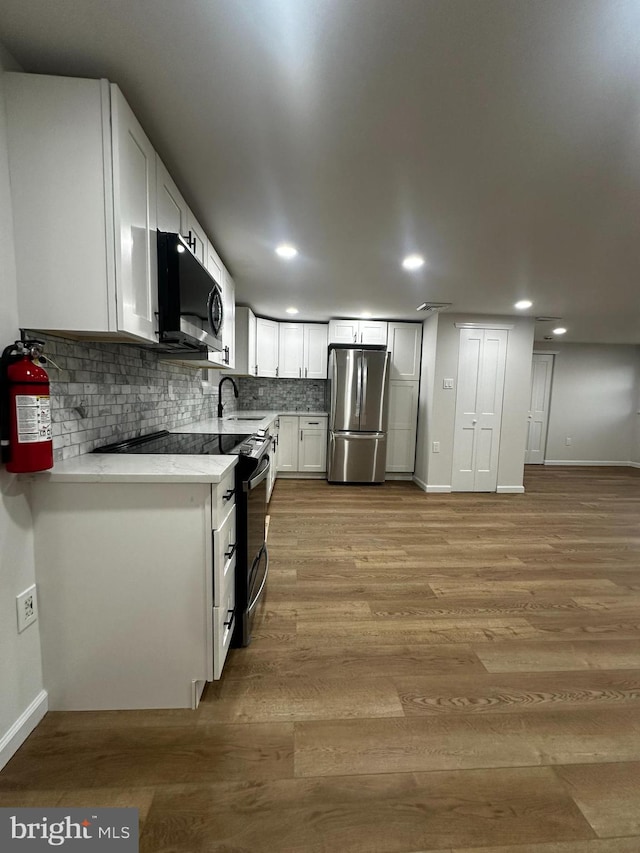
column 190, row 305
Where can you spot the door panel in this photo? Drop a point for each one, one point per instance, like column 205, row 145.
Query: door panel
column 373, row 409
column 481, row 369
column 356, row 458
column 346, row 366
column 538, row 416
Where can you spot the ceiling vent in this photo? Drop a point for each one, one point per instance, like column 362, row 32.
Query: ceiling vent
column 547, row 319
column 434, row 307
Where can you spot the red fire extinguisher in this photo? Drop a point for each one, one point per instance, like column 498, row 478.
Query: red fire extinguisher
column 26, row 409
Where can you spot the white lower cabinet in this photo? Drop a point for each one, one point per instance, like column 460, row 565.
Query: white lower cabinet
column 136, row 589
column 302, row 444
column 401, row 435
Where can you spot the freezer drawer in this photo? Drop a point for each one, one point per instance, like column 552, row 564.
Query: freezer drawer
column 356, row 457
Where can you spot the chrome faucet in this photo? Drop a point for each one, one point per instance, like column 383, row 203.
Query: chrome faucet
column 235, row 391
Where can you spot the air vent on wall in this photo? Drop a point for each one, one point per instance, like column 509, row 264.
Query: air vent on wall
column 434, row 306
column 547, row 319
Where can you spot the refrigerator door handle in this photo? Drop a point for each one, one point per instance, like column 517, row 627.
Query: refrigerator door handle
column 364, row 375
column 359, row 387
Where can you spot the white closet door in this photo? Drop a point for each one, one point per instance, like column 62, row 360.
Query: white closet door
column 481, row 368
column 538, row 417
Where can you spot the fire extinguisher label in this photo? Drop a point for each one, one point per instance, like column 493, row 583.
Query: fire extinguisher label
column 33, row 415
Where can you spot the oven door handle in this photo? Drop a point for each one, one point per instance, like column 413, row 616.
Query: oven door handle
column 264, row 580
column 260, row 475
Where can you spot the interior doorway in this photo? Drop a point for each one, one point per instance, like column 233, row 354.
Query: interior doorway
column 538, row 415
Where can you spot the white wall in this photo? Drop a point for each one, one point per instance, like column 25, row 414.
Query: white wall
column 425, row 400
column 594, row 399
column 20, row 662
column 515, row 401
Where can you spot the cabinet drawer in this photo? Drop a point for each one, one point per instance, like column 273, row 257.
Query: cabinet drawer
column 223, row 626
column 224, row 556
column 223, row 498
column 313, row 423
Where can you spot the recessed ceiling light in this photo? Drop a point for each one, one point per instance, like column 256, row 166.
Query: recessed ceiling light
column 524, row 303
column 292, row 311
column 559, row 331
column 286, row 251
column 413, row 262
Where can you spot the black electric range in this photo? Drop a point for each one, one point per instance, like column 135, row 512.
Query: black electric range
column 196, row 443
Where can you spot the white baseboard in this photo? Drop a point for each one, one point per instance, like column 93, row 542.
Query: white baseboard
column 510, row 490
column 586, row 462
column 420, row 483
column 11, row 742
column 634, row 464
column 391, row 475
column 438, row 490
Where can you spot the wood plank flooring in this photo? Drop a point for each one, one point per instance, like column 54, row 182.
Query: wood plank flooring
column 430, row 674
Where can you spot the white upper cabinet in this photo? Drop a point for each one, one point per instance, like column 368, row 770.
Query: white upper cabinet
column 266, row 347
column 357, row 332
column 83, row 182
column 245, row 342
column 171, row 206
column 302, row 351
column 134, row 205
column 197, row 238
column 344, row 331
column 405, row 344
column 229, row 336
column 291, row 350
column 315, row 351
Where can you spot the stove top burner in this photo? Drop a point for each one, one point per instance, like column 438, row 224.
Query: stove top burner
column 194, row 443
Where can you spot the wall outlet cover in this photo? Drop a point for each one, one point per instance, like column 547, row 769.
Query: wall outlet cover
column 27, row 607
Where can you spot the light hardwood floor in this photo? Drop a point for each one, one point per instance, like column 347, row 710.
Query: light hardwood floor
column 430, row 673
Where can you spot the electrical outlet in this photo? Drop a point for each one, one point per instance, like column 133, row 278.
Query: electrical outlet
column 260, row 392
column 435, row 447
column 568, row 441
column 27, row 605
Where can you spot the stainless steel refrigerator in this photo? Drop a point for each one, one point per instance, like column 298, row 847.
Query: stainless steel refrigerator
column 359, row 380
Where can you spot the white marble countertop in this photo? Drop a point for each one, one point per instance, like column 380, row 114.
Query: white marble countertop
column 137, row 468
column 163, row 467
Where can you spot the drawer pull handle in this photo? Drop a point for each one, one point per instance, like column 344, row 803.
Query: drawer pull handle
column 232, row 550
column 314, row 423
column 228, row 494
column 230, row 622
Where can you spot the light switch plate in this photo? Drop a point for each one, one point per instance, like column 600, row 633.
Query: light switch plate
column 447, row 384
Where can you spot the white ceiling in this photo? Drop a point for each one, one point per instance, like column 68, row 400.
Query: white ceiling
column 499, row 138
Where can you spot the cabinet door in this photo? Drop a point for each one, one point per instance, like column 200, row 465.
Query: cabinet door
column 134, row 191
column 405, row 343
column 372, row 332
column 229, row 331
column 403, row 404
column 344, row 331
column 403, row 420
column 288, row 441
column 401, row 451
column 312, row 454
column 197, row 235
column 290, row 350
column 171, row 206
column 315, row 351
column 266, row 347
